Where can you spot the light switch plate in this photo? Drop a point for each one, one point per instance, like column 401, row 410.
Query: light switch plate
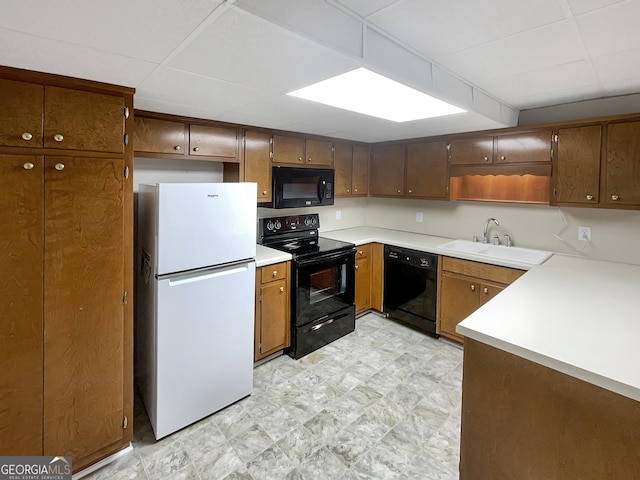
column 338, row 214
column 419, row 217
column 584, row 233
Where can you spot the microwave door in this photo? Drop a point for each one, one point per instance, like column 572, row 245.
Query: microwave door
column 322, row 188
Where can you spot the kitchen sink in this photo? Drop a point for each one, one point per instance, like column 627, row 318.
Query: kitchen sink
column 502, row 252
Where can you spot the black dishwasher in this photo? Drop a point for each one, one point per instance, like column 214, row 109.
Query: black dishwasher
column 410, row 283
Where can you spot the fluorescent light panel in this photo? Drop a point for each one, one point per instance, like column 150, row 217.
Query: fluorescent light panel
column 366, row 92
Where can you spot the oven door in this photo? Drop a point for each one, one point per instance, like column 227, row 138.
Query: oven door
column 324, row 285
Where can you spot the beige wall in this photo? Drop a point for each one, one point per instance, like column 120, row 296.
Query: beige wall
column 615, row 233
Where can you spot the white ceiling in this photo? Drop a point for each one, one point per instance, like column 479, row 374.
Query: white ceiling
column 234, row 60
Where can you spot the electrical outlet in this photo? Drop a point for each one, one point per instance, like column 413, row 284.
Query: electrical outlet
column 419, row 217
column 338, row 214
column 584, row 233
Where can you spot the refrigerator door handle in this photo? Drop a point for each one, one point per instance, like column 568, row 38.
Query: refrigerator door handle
column 206, row 275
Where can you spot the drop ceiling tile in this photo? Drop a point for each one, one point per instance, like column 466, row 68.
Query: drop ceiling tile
column 144, row 29
column 366, row 7
column 294, row 110
column 528, row 51
column 611, row 29
column 244, row 49
column 187, row 89
column 542, row 81
column 441, row 27
column 579, row 7
column 314, row 19
column 619, row 66
column 161, row 106
column 36, row 53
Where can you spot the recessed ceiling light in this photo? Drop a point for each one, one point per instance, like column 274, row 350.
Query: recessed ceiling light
column 364, row 91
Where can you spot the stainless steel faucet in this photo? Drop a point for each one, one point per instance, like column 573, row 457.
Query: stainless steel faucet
column 485, row 238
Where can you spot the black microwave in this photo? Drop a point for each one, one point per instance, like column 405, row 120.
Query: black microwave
column 302, row 187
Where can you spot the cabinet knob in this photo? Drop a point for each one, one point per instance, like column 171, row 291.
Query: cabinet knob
column 309, row 160
column 360, row 252
column 299, row 159
column 615, row 197
column 589, row 197
column 398, row 191
column 357, row 267
column 281, row 289
column 503, row 158
column 410, row 191
column 264, row 192
column 177, row 147
column 58, row 137
column 28, row 166
column 348, row 190
column 486, row 159
column 355, row 190
column 59, row 166
column 485, row 290
column 196, row 149
column 473, row 287
column 275, row 273
column 27, row 136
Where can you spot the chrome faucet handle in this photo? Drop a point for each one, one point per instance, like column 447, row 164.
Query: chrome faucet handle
column 475, row 238
column 496, row 239
column 507, row 240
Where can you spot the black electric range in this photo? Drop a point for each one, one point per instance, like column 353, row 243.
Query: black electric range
column 322, row 279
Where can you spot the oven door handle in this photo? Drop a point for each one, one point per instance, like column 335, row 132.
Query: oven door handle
column 323, row 324
column 324, row 258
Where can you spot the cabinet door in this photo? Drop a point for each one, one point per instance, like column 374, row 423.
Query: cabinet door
column 257, row 163
column 213, row 141
column 524, row 147
column 274, row 329
column 158, row 136
column 343, row 163
column 427, row 170
column 79, row 120
column 459, row 298
column 377, row 275
column 288, row 150
column 83, row 305
column 21, row 118
column 387, row 170
column 319, row 152
column 363, row 278
column 360, row 172
column 577, row 172
column 623, row 164
column 489, row 290
column 21, row 242
column 471, row 151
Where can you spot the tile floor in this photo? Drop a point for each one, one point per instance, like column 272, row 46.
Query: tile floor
column 381, row 403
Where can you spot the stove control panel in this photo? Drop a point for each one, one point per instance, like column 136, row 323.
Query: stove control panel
column 292, row 223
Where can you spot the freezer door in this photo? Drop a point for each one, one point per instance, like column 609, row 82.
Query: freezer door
column 205, row 224
column 204, row 344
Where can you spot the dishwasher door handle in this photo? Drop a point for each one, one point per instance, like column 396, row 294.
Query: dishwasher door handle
column 323, row 324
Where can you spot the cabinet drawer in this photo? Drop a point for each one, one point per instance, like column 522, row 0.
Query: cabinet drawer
column 277, row 271
column 495, row 273
column 363, row 251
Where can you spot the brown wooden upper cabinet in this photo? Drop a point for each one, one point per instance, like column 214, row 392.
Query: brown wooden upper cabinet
column 61, row 118
column 257, row 162
column 174, row 138
column 427, row 175
column 622, row 170
column 387, row 170
column 524, row 147
column 158, row 136
column 351, row 163
column 300, row 151
column 576, row 173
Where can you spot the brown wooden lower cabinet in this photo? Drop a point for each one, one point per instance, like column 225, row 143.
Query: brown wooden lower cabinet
column 363, row 278
column 272, row 321
column 521, row 420
column 465, row 286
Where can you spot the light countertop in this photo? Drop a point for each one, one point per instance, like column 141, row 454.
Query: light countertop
column 577, row 316
column 269, row 256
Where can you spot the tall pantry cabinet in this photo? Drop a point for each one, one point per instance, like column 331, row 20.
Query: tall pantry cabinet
column 66, row 362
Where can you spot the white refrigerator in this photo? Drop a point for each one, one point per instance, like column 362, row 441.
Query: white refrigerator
column 195, row 299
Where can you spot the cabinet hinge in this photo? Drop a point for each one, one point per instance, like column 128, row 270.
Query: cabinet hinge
column 125, row 422
column 126, row 172
column 271, row 140
column 448, row 147
column 126, row 113
column 126, row 139
column 555, row 138
column 271, row 155
column 124, row 298
column 446, row 189
column 554, row 193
